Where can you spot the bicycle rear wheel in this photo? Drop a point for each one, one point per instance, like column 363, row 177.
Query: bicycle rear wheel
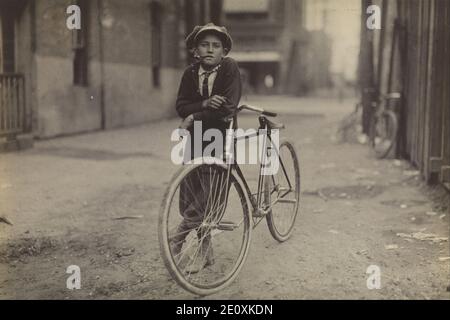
column 282, row 193
column 204, row 233
column 384, row 133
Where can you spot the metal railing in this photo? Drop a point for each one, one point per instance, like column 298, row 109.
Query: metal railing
column 12, row 104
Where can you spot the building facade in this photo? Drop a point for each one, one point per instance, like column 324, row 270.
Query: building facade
column 273, row 48
column 121, row 68
column 410, row 55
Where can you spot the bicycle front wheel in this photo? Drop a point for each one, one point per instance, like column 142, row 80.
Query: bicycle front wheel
column 204, row 228
column 282, row 193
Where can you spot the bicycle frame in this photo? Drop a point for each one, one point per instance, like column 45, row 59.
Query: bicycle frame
column 259, row 210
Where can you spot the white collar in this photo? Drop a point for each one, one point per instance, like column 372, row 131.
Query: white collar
column 201, row 70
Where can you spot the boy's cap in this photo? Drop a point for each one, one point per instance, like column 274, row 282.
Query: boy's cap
column 222, row 32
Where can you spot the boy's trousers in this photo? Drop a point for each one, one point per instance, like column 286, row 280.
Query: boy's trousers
column 202, row 197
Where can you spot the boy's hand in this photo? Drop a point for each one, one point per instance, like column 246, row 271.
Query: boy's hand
column 214, row 102
column 187, row 122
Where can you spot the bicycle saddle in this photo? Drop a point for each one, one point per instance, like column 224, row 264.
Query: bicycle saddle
column 274, row 125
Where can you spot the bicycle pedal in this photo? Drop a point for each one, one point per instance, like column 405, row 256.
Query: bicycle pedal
column 227, row 226
column 260, row 214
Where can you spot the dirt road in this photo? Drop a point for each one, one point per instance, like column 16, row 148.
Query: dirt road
column 65, row 195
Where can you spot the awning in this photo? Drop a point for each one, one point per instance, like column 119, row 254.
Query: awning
column 255, row 56
column 239, row 6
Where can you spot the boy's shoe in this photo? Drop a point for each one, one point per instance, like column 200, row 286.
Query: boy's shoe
column 205, row 259
column 176, row 241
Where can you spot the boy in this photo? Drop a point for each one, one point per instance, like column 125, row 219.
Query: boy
column 209, row 91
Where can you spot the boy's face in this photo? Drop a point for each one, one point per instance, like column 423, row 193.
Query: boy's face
column 210, row 50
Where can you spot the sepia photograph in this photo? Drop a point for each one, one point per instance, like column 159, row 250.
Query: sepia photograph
column 192, row 150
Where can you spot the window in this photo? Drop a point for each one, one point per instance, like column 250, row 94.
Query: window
column 7, row 43
column 79, row 46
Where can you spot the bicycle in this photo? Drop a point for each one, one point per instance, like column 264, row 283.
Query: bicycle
column 383, row 129
column 230, row 211
column 384, row 125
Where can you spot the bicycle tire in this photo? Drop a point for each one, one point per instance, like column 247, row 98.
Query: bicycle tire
column 390, row 127
column 163, row 233
column 271, row 218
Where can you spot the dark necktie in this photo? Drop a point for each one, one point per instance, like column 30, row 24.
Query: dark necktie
column 205, row 89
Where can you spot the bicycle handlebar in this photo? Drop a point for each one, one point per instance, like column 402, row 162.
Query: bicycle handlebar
column 269, row 113
column 257, row 109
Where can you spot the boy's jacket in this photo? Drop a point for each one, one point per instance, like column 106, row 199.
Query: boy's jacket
column 227, row 84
